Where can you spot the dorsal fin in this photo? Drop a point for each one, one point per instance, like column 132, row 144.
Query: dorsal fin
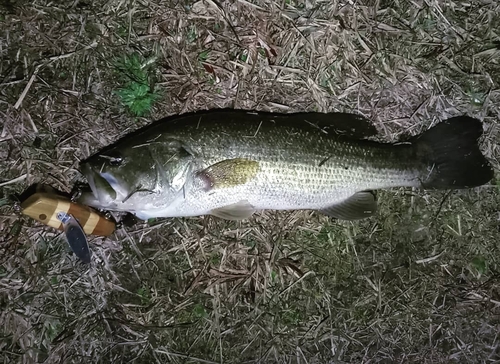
column 338, row 123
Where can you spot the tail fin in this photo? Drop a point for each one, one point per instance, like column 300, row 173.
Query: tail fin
column 451, row 151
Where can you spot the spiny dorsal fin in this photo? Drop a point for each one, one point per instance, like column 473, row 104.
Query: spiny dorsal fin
column 337, row 123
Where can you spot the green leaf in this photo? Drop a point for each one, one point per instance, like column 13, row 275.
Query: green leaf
column 131, row 68
column 53, row 328
column 191, row 35
column 273, row 276
column 203, row 55
column 215, row 258
column 143, row 292
column 480, row 264
column 138, row 98
column 199, row 311
column 16, row 229
column 135, row 93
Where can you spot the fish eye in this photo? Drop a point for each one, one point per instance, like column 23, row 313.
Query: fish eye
column 114, row 160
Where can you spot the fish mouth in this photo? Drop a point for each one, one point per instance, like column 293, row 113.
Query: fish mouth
column 103, row 185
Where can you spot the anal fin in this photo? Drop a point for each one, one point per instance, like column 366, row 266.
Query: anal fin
column 359, row 206
column 237, row 211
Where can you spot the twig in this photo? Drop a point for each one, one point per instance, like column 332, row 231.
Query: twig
column 429, row 259
column 17, row 179
column 28, row 86
column 184, row 356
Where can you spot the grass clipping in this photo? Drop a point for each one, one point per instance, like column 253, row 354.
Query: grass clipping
column 416, row 283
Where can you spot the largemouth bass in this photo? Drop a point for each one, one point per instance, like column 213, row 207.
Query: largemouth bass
column 230, row 163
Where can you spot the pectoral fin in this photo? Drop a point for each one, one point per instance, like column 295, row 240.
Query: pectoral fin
column 359, row 206
column 238, row 211
column 229, row 173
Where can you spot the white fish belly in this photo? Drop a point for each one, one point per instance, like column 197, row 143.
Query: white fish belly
column 289, row 191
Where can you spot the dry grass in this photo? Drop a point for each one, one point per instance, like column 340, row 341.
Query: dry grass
column 417, row 283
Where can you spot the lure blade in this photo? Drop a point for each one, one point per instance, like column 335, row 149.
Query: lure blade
column 75, row 236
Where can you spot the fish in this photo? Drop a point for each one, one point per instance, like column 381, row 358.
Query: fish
column 231, row 163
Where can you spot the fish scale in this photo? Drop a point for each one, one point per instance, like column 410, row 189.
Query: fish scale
column 285, row 185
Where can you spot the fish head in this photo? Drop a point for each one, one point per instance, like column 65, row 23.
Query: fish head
column 136, row 176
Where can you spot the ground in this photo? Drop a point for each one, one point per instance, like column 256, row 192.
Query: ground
column 417, row 283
